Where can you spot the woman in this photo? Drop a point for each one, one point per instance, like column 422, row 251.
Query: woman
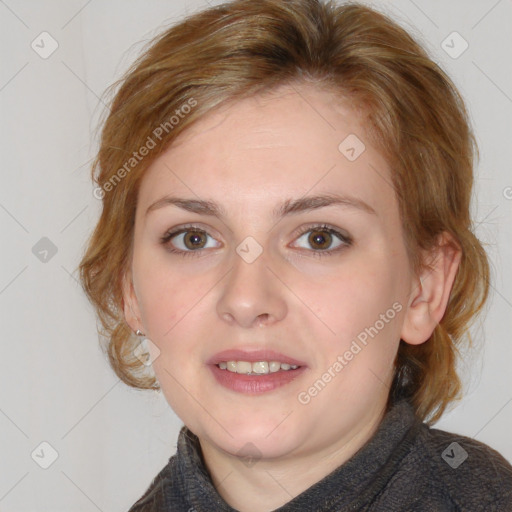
column 286, row 189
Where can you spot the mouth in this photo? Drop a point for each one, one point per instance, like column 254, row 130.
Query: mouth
column 254, row 372
column 256, row 368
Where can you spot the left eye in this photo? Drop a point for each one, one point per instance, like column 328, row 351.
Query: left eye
column 322, row 238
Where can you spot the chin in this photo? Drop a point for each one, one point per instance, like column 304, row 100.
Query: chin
column 253, row 440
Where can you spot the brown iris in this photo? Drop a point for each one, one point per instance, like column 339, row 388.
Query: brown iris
column 194, row 238
column 320, row 238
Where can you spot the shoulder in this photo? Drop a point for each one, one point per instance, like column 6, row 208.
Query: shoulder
column 472, row 474
column 153, row 498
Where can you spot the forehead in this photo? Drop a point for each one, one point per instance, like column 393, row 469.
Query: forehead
column 294, row 140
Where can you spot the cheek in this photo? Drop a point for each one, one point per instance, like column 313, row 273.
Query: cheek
column 174, row 304
column 164, row 296
column 361, row 307
column 354, row 297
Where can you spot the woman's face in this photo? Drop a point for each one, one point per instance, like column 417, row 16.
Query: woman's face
column 260, row 268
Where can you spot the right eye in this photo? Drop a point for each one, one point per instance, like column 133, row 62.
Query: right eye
column 186, row 240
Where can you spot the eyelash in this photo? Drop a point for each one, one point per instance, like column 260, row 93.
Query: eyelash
column 347, row 240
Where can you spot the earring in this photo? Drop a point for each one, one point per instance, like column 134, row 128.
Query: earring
column 139, row 333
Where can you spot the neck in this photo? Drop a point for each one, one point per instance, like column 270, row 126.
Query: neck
column 268, row 484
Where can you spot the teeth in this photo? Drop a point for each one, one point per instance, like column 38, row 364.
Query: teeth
column 274, row 366
column 257, row 368
column 243, row 367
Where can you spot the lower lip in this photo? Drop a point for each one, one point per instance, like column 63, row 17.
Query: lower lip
column 255, row 384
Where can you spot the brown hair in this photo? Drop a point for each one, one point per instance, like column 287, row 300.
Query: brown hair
column 413, row 113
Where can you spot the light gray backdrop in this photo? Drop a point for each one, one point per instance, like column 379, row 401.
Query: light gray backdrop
column 102, row 441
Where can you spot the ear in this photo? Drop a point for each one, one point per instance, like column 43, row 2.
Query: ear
column 130, row 303
column 431, row 291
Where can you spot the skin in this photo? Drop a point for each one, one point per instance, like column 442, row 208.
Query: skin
column 249, row 157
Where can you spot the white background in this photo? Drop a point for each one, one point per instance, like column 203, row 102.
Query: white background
column 55, row 384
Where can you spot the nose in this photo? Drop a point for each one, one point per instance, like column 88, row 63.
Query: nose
column 252, row 295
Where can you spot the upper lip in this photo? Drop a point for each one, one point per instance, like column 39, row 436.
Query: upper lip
column 253, row 356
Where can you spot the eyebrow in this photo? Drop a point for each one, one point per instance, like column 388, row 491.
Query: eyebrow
column 290, row 206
